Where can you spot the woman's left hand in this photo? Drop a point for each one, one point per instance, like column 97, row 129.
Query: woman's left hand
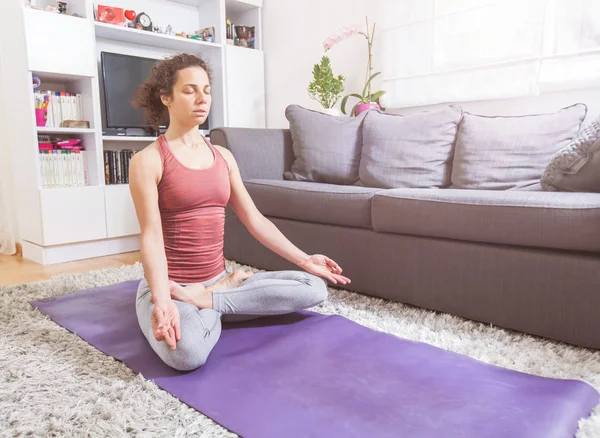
column 323, row 266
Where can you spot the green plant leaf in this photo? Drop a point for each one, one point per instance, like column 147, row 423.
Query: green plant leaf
column 375, row 96
column 367, row 86
column 343, row 105
column 374, row 75
column 345, row 100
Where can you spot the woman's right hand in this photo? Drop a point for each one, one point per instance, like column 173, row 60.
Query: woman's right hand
column 165, row 323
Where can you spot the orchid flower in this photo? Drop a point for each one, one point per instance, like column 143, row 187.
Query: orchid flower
column 342, row 34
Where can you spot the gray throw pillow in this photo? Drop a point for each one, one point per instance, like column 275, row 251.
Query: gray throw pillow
column 510, row 152
column 326, row 148
column 412, row 151
column 576, row 167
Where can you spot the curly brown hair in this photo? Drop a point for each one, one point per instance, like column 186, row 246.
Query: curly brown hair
column 159, row 82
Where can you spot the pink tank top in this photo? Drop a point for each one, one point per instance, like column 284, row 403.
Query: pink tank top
column 192, row 209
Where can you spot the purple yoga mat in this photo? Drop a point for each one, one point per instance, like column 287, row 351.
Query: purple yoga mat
column 311, row 375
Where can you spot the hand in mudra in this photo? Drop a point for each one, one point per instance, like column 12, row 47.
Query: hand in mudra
column 323, row 266
column 165, row 323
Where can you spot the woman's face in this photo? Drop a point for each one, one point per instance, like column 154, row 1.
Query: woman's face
column 190, row 101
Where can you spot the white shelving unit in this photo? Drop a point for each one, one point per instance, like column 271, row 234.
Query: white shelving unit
column 142, row 37
column 241, row 7
column 44, row 130
column 127, row 139
column 70, row 223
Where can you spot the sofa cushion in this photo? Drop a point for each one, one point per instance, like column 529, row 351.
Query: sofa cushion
column 576, row 167
column 408, row 151
column 326, row 148
column 313, row 202
column 558, row 220
column 499, row 153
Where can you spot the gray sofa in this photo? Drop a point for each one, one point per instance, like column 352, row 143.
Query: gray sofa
column 527, row 260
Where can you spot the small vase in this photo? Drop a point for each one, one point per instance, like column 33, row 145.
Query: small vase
column 361, row 107
column 332, row 111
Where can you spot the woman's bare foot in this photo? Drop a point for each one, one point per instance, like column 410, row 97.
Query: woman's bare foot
column 231, row 281
column 201, row 296
column 195, row 294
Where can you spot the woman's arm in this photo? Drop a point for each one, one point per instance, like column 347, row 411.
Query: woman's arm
column 145, row 169
column 265, row 231
column 144, row 173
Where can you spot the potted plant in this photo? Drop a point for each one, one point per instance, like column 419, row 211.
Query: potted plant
column 326, row 88
column 367, row 99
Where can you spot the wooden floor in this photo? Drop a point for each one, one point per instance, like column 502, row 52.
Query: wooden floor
column 16, row 269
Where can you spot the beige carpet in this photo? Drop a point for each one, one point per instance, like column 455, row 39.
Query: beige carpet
column 52, row 383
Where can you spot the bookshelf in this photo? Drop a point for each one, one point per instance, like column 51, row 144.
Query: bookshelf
column 45, row 130
column 59, row 224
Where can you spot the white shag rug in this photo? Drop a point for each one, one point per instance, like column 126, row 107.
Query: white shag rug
column 52, row 383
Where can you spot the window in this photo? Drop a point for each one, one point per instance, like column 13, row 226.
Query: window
column 462, row 50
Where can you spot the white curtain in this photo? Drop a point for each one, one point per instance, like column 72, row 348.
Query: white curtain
column 463, row 50
column 7, row 238
column 7, row 210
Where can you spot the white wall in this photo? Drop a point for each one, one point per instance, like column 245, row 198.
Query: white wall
column 293, row 36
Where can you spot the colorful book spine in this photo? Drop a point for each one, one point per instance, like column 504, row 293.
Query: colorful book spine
column 63, row 168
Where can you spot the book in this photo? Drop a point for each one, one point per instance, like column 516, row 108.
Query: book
column 116, row 166
column 63, row 168
column 79, row 104
column 106, row 168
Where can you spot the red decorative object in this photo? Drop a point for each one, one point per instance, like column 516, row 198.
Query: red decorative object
column 130, row 15
column 110, row 14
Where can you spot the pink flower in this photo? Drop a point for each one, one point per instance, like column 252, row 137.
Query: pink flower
column 351, row 30
column 328, row 44
column 340, row 35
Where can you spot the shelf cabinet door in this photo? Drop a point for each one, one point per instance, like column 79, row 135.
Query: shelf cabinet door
column 73, row 215
column 59, row 43
column 245, row 73
column 121, row 219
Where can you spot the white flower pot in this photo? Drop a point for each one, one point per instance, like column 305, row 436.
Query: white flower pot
column 332, row 111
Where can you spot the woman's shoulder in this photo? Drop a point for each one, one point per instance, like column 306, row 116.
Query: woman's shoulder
column 226, row 153
column 148, row 154
column 148, row 159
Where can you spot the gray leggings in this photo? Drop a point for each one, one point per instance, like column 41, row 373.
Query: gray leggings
column 264, row 293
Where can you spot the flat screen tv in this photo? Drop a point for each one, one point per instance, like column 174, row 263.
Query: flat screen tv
column 121, row 75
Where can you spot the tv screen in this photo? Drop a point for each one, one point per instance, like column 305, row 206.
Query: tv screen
column 121, row 75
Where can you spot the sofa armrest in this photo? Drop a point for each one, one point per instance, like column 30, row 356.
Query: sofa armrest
column 260, row 153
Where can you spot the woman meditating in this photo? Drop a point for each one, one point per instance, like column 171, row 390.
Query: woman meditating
column 180, row 186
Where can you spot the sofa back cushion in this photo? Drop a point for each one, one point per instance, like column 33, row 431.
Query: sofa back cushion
column 326, row 148
column 576, row 167
column 501, row 153
column 413, row 151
